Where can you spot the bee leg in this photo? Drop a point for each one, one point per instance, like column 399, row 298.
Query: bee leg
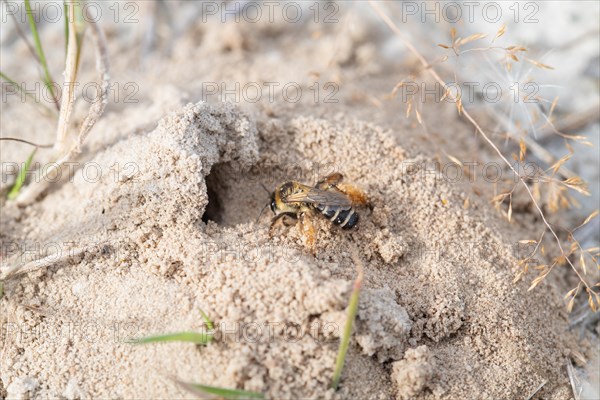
column 355, row 195
column 281, row 218
column 308, row 231
column 330, row 181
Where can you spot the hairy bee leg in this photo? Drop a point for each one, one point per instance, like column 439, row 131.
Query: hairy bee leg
column 329, row 181
column 355, row 195
column 334, row 180
column 307, row 228
column 279, row 219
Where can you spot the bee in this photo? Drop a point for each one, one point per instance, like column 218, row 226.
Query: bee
column 330, row 198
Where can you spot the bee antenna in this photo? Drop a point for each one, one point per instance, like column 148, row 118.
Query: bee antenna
column 264, row 187
column 261, row 212
column 266, row 205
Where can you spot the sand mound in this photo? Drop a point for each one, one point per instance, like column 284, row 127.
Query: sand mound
column 159, row 222
column 173, row 231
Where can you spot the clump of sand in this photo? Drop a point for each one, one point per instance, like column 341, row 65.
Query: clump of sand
column 412, row 374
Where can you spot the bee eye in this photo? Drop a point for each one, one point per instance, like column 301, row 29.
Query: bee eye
column 273, row 205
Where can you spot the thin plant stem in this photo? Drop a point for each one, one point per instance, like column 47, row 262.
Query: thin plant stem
column 22, row 35
column 345, row 342
column 40, row 52
column 477, row 127
column 21, row 177
column 41, row 146
column 44, row 109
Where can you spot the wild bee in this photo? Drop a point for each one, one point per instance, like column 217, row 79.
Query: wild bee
column 329, row 197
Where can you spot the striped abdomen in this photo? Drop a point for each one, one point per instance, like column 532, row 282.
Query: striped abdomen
column 347, row 218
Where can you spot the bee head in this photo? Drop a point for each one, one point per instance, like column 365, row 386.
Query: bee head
column 272, row 202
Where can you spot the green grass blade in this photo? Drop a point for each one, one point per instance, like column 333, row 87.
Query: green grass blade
column 10, row 80
column 66, row 14
column 23, row 37
column 46, row 110
column 79, row 25
column 231, row 394
column 79, row 31
column 39, row 50
column 14, row 192
column 191, row 337
column 345, row 342
column 207, row 321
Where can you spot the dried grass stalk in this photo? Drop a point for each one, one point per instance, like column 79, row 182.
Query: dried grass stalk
column 70, row 75
column 43, row 262
column 432, row 71
column 32, row 191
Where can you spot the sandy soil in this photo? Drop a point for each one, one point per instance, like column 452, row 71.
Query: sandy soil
column 169, row 228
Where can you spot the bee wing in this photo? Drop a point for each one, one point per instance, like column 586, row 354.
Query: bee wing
column 323, row 197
